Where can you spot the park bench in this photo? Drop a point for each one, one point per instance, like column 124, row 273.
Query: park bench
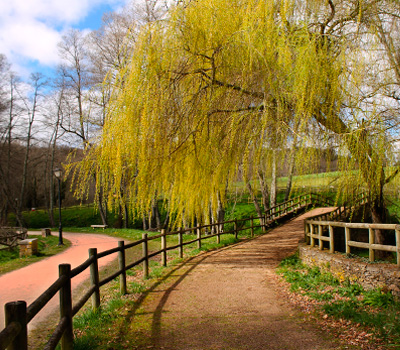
column 98, row 226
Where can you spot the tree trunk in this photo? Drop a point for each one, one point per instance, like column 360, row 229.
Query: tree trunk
column 264, row 190
column 126, row 216
column 260, row 213
column 378, row 214
column 144, row 222
column 290, row 171
column 102, row 212
column 155, row 218
column 274, row 188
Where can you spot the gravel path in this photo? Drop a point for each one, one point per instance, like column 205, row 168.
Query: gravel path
column 227, row 299
column 31, row 281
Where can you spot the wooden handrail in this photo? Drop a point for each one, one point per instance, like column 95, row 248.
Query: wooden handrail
column 311, row 236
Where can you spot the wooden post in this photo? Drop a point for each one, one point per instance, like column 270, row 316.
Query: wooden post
column 320, row 241
column 312, row 239
column 180, row 241
column 371, row 235
column 263, row 223
column 218, row 234
column 94, row 279
column 397, row 232
column 236, row 229
column 121, row 261
column 347, row 239
column 16, row 312
column 331, row 240
column 163, row 248
column 145, row 249
column 252, row 226
column 198, row 237
column 67, row 340
column 306, row 233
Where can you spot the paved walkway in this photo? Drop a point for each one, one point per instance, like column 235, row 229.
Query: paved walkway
column 227, row 299
column 31, row 281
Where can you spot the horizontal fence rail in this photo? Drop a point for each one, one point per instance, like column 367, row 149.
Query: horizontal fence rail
column 18, row 315
column 318, row 232
column 321, row 228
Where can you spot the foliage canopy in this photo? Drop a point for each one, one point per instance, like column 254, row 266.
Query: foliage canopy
column 214, row 86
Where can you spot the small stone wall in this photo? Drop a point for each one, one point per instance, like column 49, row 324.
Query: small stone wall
column 369, row 275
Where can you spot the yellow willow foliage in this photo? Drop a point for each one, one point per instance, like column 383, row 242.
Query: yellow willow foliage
column 208, row 91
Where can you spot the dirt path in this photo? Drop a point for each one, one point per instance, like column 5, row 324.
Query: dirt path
column 227, row 299
column 31, row 281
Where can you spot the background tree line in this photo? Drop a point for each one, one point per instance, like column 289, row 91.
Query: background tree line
column 46, row 119
column 269, row 90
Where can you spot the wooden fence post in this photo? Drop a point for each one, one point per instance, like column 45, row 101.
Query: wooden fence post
column 306, row 232
column 332, row 241
column 371, row 234
column 16, row 312
column 180, row 242
column 218, row 234
column 145, row 249
column 67, row 340
column 347, row 239
column 94, row 278
column 312, row 239
column 236, row 229
column 121, row 261
column 252, row 226
column 320, row 241
column 199, row 237
column 163, row 248
column 263, row 222
column 397, row 232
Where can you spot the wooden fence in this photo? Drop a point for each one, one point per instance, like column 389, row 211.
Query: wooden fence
column 17, row 314
column 323, row 231
column 292, row 206
column 9, row 236
column 321, row 228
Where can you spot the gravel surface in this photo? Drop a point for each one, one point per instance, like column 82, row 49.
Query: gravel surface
column 229, row 299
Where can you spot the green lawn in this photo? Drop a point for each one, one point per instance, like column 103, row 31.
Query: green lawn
column 47, row 246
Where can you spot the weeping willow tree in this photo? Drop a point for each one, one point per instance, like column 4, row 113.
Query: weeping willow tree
column 213, row 88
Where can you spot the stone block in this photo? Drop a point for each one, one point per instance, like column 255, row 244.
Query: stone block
column 46, row 232
column 28, row 247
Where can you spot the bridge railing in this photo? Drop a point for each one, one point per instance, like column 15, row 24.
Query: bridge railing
column 321, row 228
column 295, row 204
column 317, row 232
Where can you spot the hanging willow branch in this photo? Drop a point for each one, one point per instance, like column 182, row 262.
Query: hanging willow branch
column 219, row 86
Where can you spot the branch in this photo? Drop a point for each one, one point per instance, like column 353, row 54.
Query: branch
column 392, row 176
column 330, row 18
column 259, row 108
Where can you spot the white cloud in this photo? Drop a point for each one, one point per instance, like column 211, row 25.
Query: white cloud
column 29, row 39
column 31, row 29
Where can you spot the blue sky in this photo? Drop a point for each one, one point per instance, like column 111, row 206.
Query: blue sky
column 31, row 29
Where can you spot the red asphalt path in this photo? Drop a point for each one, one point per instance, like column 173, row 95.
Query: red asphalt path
column 31, row 281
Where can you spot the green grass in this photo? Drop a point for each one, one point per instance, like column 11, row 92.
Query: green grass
column 374, row 309
column 85, row 215
column 74, row 216
column 47, row 246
